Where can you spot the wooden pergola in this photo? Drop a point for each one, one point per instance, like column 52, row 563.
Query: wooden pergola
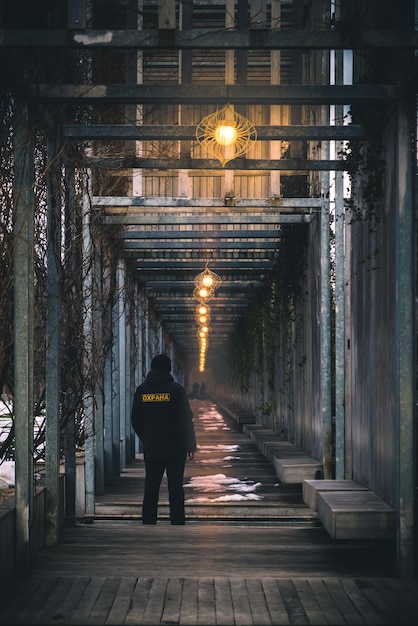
column 182, row 209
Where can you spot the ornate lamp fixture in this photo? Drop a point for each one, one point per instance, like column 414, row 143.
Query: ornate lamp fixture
column 208, row 280
column 205, row 285
column 226, row 134
column 202, row 314
column 203, row 346
column 203, row 294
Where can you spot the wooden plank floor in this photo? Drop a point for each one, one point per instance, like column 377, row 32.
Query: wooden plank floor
column 237, row 560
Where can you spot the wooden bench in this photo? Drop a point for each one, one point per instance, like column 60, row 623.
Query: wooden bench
column 348, row 510
column 297, row 469
column 311, row 489
column 238, row 415
column 266, row 440
column 291, row 464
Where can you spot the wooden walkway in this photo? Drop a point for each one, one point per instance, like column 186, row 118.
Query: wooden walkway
column 251, row 553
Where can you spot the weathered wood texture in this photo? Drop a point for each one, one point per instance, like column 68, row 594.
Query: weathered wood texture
column 311, row 488
column 213, row 600
column 356, row 514
column 372, row 375
column 220, row 571
column 291, row 464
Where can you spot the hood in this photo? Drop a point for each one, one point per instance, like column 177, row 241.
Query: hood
column 155, row 377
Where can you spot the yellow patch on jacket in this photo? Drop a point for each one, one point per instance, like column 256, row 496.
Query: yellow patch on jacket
column 155, row 397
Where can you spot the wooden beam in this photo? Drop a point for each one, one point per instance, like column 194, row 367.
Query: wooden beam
column 226, row 265
column 187, row 220
column 188, row 286
column 174, row 204
column 179, row 275
column 200, row 245
column 245, row 165
column 156, row 234
column 204, row 39
column 186, row 133
column 232, row 278
column 214, row 94
column 190, row 302
column 234, row 259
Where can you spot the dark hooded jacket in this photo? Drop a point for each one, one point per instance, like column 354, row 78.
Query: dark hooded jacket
column 162, row 418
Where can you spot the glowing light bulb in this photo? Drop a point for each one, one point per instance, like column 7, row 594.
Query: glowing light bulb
column 207, row 281
column 225, row 134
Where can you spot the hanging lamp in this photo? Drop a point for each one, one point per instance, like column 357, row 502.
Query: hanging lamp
column 226, row 134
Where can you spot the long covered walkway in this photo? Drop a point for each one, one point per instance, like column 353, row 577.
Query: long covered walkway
column 231, row 183
column 251, row 553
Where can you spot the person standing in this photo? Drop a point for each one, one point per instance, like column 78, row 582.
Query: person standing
column 162, row 418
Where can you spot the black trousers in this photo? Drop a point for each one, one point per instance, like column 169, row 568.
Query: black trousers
column 154, row 472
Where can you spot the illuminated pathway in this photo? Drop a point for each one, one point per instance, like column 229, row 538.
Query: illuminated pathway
column 229, row 481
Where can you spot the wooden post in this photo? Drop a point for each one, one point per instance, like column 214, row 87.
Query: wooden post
column 71, row 261
column 242, row 55
column 275, row 109
column 23, row 338
column 121, row 358
column 53, row 344
column 88, row 405
column 77, row 14
column 405, row 336
column 339, row 292
column 325, row 319
column 116, row 458
column 137, row 177
column 108, row 420
column 229, row 80
column 167, row 14
column 185, row 78
column 107, row 375
column 99, row 392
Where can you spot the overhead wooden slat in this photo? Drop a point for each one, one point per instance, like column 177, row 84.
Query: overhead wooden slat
column 246, row 165
column 200, row 245
column 240, row 265
column 214, row 94
column 206, row 220
column 231, row 276
column 155, row 203
column 183, row 132
column 190, row 302
column 161, row 285
column 178, row 236
column 209, row 39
